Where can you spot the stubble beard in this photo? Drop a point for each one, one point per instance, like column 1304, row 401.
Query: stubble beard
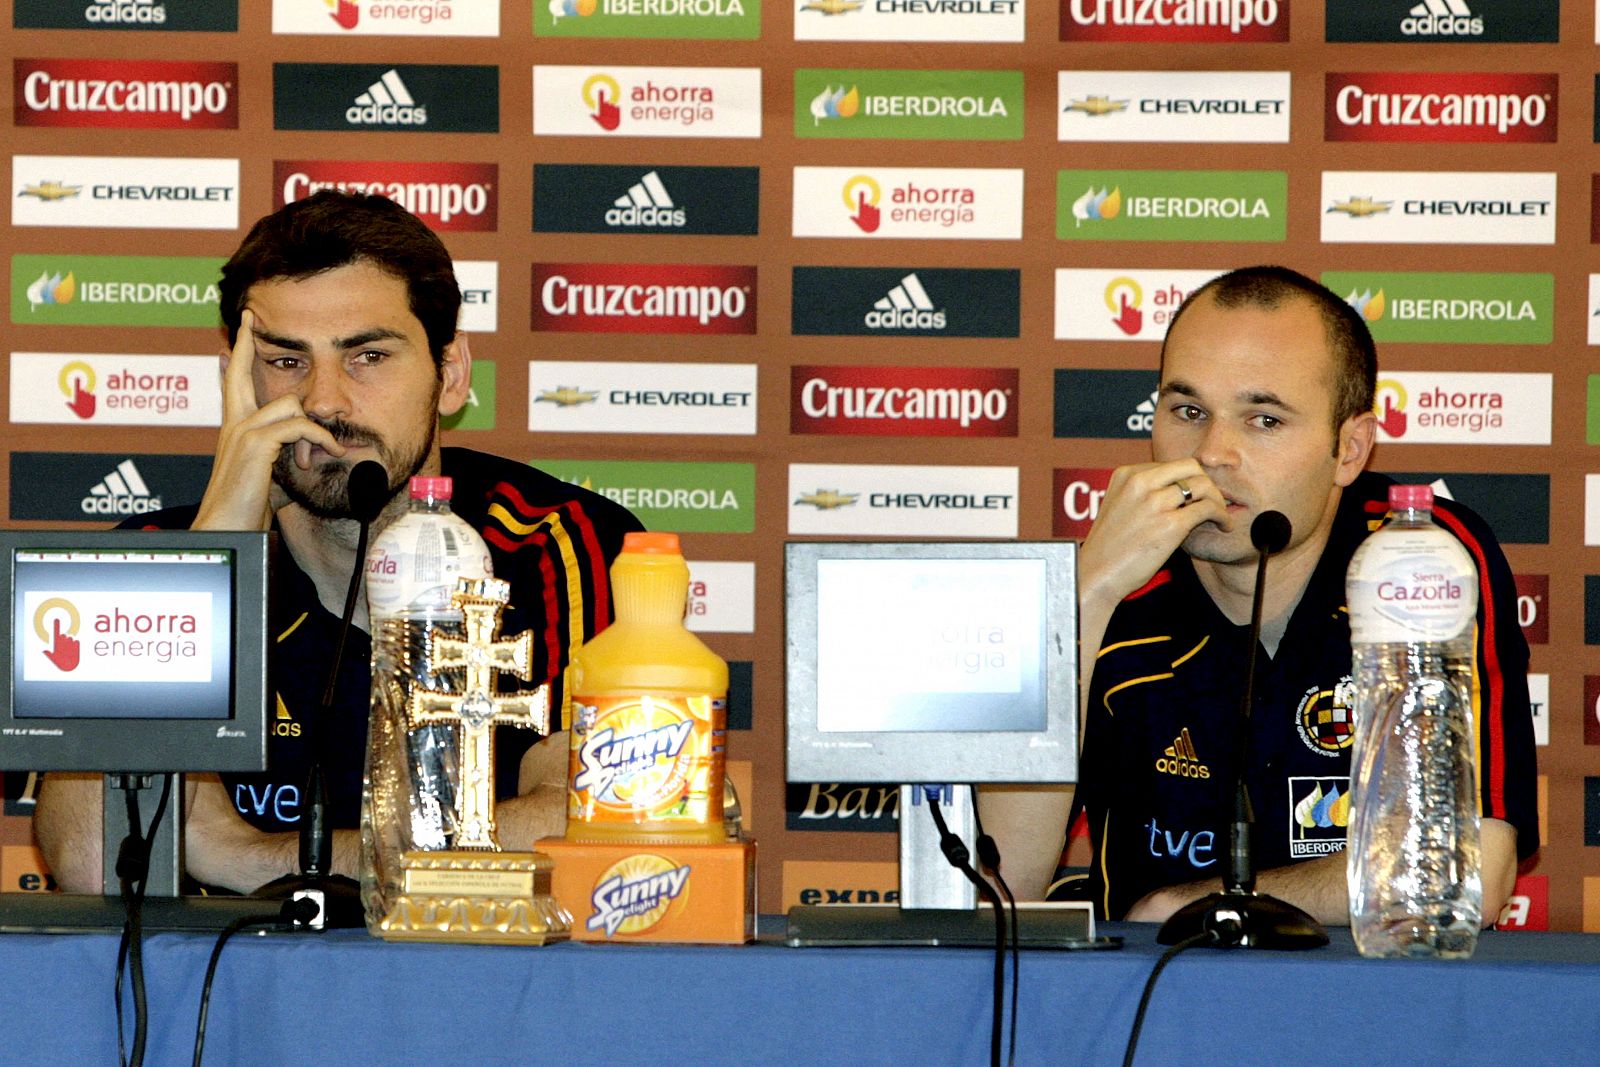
column 325, row 490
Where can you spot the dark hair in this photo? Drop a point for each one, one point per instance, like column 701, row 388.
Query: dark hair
column 331, row 229
column 1355, row 357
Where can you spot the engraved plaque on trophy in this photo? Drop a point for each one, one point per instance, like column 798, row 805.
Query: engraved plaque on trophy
column 431, row 866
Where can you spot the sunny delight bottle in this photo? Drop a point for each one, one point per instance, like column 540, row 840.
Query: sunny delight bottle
column 649, row 712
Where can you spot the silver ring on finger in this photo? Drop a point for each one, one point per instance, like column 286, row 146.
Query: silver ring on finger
column 1188, row 494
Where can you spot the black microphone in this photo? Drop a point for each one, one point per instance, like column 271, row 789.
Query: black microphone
column 368, row 490
column 1239, row 915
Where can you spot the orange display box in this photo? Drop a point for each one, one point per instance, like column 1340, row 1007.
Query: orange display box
column 647, row 892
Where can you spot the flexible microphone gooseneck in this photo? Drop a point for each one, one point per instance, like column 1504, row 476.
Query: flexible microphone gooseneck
column 1239, row 915
column 368, row 492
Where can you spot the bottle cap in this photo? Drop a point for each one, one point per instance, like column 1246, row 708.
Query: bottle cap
column 654, row 544
column 438, row 488
column 1411, row 496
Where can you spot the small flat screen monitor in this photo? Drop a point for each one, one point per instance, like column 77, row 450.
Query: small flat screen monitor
column 931, row 662
column 133, row 651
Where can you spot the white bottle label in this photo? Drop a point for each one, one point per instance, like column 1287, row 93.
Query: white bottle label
column 1411, row 584
column 414, row 565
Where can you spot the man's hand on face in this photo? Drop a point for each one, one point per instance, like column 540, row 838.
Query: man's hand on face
column 1144, row 517
column 241, row 494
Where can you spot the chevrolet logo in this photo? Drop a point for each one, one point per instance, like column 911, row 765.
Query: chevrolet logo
column 566, row 396
column 1359, row 207
column 1097, row 105
column 828, row 499
column 833, row 7
column 51, row 191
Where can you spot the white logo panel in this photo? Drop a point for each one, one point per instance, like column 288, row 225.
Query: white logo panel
column 1141, row 105
column 902, row 501
column 647, row 101
column 1438, row 207
column 1131, row 304
column 909, row 20
column 95, row 636
column 908, row 202
column 479, row 280
column 70, row 388
column 418, row 18
column 128, row 192
column 1422, row 407
column 677, row 398
column 722, row 598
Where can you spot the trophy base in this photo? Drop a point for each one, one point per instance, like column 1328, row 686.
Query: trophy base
column 476, row 897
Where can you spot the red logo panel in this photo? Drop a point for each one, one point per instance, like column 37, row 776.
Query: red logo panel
column 903, row 401
column 143, row 94
column 1077, row 493
column 643, row 298
column 1236, row 22
column 1480, row 106
column 1533, row 607
column 446, row 196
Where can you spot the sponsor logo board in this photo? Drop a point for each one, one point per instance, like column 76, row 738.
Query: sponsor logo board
column 1591, row 609
column 1423, row 407
column 815, row 882
column 1105, row 403
column 22, row 869
column 673, row 398
column 1594, row 325
column 722, row 597
column 109, row 635
column 1450, row 308
column 1121, row 304
column 1319, row 815
column 644, row 298
column 903, row 401
column 1533, row 612
column 147, row 94
column 415, row 18
column 478, row 412
column 741, row 716
column 218, row 16
column 102, row 487
column 1077, row 492
column 689, row 497
column 1528, row 906
column 446, row 196
column 115, row 390
column 125, row 191
column 1516, row 506
column 1591, row 509
column 1233, row 106
column 403, row 98
column 479, row 281
column 69, row 290
column 1591, row 708
column 905, row 302
column 841, row 806
column 1539, row 707
column 647, row 101
column 1444, row 21
column 1594, row 208
column 1422, row 106
column 646, row 199
column 935, row 105
column 654, row 19
column 945, row 203
column 902, row 501
column 909, row 20
column 1591, row 833
column 1171, row 205
column 1438, row 207
column 1196, row 21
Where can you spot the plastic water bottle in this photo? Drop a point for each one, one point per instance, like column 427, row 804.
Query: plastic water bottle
column 1413, row 858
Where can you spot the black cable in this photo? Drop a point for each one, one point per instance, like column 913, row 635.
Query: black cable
column 133, row 870
column 955, row 850
column 1204, row 937
column 292, row 915
column 989, row 863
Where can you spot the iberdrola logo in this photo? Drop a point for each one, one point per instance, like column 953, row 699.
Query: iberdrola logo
column 61, row 646
column 52, row 289
column 1099, row 206
column 861, row 196
column 76, row 382
column 1368, row 305
column 835, row 104
column 600, row 95
column 560, row 9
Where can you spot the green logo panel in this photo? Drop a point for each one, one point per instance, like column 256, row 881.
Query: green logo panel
column 930, row 105
column 478, row 412
column 1592, row 422
column 1171, row 205
column 670, row 497
column 1451, row 308
column 725, row 20
column 114, row 290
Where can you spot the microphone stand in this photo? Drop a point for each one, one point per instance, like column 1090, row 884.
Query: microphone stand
column 338, row 898
column 1239, row 916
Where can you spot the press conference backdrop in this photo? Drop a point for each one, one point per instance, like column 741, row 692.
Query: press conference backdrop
column 763, row 269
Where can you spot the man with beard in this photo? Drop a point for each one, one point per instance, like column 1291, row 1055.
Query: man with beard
column 340, row 314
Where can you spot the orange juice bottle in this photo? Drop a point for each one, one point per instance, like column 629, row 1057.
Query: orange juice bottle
column 649, row 712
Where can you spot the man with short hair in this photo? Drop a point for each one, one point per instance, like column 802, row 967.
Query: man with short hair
column 340, row 314
column 1265, row 403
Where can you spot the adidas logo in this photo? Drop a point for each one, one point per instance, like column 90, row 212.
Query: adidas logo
column 122, row 492
column 1143, row 419
column 387, row 102
column 1180, row 758
column 1441, row 18
column 907, row 307
column 646, row 204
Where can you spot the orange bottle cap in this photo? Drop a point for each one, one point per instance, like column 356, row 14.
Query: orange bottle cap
column 660, row 544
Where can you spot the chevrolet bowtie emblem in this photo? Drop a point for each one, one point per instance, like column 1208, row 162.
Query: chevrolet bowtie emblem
column 828, row 499
column 1097, row 105
column 566, row 396
column 833, row 7
column 1358, row 207
column 50, row 191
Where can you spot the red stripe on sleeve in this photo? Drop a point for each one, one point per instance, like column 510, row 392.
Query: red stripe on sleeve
column 578, row 519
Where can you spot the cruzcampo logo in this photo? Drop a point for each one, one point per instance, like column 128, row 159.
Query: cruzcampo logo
column 727, row 20
column 684, row 497
column 1490, row 309
column 1171, row 205
column 478, row 412
column 66, row 290
column 929, row 105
